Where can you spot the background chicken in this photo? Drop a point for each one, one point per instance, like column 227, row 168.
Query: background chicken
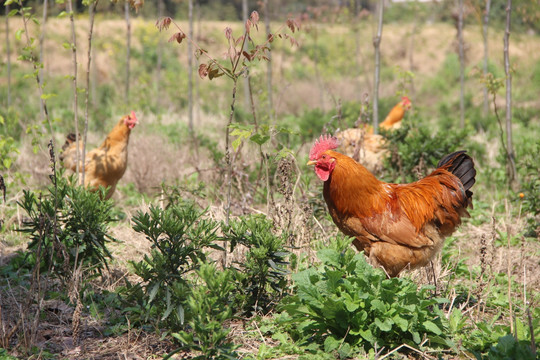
column 366, row 147
column 397, row 225
column 106, row 164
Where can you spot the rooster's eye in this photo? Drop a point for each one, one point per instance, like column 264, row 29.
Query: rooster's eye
column 324, row 157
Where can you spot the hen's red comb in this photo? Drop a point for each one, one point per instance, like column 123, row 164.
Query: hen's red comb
column 325, row 142
column 406, row 100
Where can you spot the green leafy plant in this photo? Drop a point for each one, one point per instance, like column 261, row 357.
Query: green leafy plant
column 179, row 234
column 210, row 304
column 67, row 226
column 265, row 265
column 507, row 347
column 414, row 149
column 346, row 305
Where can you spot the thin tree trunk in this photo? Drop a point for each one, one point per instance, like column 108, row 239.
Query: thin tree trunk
column 199, row 32
column 228, row 161
column 159, row 58
column 75, row 93
column 316, row 65
column 377, row 46
column 247, row 85
column 42, row 42
column 360, row 58
column 486, row 54
column 8, row 54
column 411, row 53
column 190, row 67
column 509, row 144
column 91, row 12
column 93, row 80
column 269, row 62
column 461, row 66
column 128, row 49
column 36, row 66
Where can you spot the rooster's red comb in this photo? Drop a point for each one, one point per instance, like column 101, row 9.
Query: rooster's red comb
column 405, row 100
column 325, row 142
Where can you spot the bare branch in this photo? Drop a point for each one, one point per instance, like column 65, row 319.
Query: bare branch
column 376, row 44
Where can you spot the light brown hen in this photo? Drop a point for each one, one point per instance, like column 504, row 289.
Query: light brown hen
column 366, row 147
column 105, row 165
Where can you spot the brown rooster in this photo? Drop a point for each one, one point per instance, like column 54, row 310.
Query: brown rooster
column 366, row 147
column 398, row 226
column 105, row 165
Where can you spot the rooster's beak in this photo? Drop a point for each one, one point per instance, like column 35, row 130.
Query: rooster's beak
column 311, row 162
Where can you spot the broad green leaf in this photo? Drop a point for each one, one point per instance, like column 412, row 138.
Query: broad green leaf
column 331, row 344
column 402, row 323
column 329, row 257
column 7, row 162
column 367, row 335
column 236, row 143
column 241, row 134
column 18, row 34
column 378, row 305
column 385, row 325
column 334, row 279
column 259, row 139
column 351, row 306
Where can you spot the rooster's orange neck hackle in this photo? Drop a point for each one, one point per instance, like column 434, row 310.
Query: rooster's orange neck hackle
column 341, row 176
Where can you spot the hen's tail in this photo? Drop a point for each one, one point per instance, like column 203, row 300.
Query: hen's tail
column 462, row 166
column 69, row 152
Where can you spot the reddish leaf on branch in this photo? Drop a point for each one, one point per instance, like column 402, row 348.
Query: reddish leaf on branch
column 164, row 23
column 228, row 33
column 293, row 25
column 199, row 52
column 254, row 18
column 203, row 71
column 214, row 73
column 248, row 26
column 179, row 36
column 239, row 40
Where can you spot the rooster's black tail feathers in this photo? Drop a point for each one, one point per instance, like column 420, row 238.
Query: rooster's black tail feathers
column 462, row 166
